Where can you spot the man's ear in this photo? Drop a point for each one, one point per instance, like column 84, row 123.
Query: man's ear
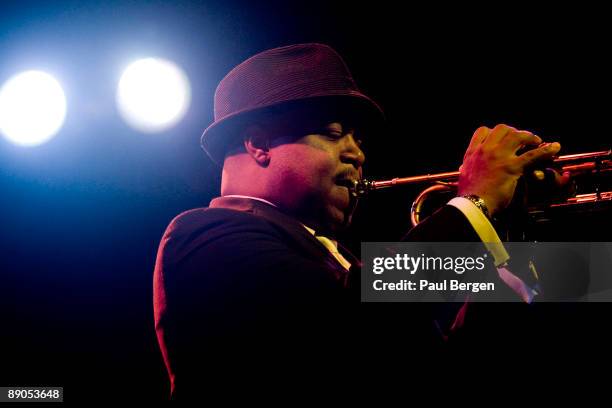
column 257, row 144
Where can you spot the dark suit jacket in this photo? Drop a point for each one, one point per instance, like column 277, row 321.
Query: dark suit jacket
column 239, row 285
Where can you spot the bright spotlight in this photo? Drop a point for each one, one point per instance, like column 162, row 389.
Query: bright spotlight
column 153, row 95
column 32, row 108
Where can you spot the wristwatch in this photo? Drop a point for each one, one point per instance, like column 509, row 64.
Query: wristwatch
column 478, row 202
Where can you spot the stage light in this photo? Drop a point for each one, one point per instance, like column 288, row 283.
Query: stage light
column 153, row 95
column 32, row 108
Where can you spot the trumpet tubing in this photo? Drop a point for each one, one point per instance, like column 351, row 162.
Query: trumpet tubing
column 596, row 164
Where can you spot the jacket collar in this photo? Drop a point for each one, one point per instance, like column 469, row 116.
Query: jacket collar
column 273, row 214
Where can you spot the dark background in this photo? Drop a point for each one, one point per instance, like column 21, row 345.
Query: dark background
column 81, row 216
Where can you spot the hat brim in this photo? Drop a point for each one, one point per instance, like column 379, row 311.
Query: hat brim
column 220, row 135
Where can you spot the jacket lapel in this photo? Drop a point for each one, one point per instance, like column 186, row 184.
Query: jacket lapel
column 291, row 229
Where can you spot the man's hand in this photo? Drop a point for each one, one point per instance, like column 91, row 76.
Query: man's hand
column 491, row 167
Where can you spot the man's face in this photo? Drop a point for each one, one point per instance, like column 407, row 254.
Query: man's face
column 314, row 171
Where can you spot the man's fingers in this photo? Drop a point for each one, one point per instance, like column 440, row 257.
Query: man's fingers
column 543, row 152
column 517, row 139
column 560, row 180
column 499, row 132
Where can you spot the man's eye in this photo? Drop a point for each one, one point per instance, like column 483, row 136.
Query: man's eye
column 333, row 134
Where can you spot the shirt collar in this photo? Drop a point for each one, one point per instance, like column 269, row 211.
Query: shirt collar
column 252, row 198
column 333, row 241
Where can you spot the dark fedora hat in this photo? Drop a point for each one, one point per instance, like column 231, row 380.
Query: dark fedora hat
column 310, row 74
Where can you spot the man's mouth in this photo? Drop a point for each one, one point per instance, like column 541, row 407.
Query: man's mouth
column 347, row 182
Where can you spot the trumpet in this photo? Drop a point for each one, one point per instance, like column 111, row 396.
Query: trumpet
column 596, row 165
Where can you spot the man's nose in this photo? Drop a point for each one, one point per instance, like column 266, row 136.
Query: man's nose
column 352, row 153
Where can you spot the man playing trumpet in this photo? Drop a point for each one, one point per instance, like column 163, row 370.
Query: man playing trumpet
column 258, row 277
